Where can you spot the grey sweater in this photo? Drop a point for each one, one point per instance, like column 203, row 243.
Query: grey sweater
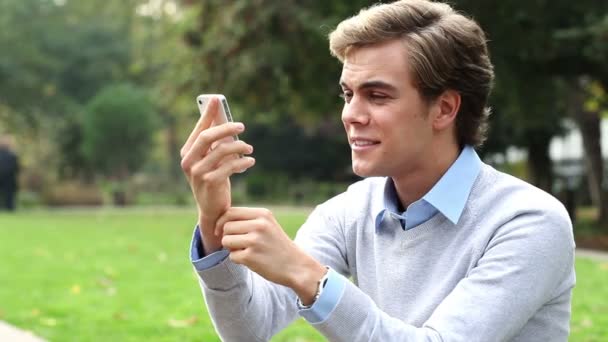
column 505, row 272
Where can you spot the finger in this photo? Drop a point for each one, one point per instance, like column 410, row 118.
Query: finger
column 218, row 175
column 228, row 149
column 203, row 123
column 222, row 154
column 239, row 256
column 236, row 227
column 233, row 242
column 240, row 214
column 204, row 140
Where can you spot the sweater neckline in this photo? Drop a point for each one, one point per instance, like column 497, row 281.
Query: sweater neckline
column 431, row 226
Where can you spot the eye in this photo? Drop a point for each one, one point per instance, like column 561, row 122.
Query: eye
column 346, row 95
column 378, row 96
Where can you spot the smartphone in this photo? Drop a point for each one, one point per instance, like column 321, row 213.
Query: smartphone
column 225, row 115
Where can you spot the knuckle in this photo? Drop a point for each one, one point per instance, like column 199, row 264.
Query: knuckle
column 196, row 170
column 223, row 148
column 235, row 258
column 245, row 254
column 256, row 239
column 236, row 167
column 225, row 227
column 185, row 165
column 259, row 224
column 203, row 137
column 266, row 213
column 207, row 178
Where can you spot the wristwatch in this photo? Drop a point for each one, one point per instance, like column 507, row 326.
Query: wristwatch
column 320, row 286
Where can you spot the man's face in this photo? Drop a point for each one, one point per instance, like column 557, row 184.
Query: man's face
column 386, row 119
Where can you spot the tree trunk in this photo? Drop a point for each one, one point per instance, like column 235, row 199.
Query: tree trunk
column 589, row 125
column 540, row 167
column 173, row 149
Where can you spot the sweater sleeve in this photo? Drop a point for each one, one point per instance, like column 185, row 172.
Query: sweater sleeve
column 246, row 307
column 528, row 263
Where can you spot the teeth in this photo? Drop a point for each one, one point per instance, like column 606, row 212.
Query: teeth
column 363, row 143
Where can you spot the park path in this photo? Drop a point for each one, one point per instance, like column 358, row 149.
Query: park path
column 592, row 254
column 9, row 333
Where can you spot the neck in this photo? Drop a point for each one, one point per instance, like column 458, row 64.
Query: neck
column 413, row 185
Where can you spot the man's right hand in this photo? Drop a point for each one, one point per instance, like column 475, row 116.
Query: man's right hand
column 209, row 158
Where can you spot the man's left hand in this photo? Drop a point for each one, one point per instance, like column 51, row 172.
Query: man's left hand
column 255, row 239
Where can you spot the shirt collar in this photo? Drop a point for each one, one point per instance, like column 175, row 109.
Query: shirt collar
column 449, row 195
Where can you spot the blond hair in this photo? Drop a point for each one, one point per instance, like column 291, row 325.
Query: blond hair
column 446, row 50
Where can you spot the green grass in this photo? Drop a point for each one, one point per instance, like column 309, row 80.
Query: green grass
column 108, row 275
column 590, row 302
column 125, row 275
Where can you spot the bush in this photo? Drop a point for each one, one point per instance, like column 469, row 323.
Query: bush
column 28, row 199
column 118, row 130
column 279, row 188
column 72, row 194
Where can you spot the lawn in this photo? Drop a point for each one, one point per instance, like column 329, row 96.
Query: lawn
column 124, row 275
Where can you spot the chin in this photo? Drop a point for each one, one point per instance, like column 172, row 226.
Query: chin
column 364, row 170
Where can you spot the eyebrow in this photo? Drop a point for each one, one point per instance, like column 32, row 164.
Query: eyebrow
column 373, row 84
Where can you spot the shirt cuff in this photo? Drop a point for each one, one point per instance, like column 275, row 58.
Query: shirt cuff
column 327, row 301
column 197, row 253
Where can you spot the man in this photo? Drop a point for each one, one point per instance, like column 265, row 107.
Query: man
column 439, row 245
column 9, row 169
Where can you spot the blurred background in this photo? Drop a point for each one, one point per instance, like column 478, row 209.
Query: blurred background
column 97, row 98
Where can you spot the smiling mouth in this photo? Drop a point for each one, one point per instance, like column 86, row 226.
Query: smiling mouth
column 358, row 144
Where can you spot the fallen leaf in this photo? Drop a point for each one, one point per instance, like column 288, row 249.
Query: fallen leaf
column 105, row 282
column 75, row 289
column 119, row 316
column 111, row 291
column 49, row 322
column 41, row 252
column 162, row 257
column 183, row 323
column 587, row 322
column 110, row 272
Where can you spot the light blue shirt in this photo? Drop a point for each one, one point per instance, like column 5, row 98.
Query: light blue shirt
column 448, row 197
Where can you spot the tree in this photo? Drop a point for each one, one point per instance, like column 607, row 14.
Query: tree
column 55, row 56
column 117, row 131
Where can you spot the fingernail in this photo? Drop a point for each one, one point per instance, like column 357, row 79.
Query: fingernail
column 240, row 126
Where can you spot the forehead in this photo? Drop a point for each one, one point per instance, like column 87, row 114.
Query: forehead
column 385, row 61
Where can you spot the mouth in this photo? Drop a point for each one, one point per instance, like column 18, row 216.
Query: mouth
column 359, row 144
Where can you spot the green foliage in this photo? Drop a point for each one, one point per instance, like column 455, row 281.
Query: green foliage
column 534, row 45
column 271, row 59
column 117, row 130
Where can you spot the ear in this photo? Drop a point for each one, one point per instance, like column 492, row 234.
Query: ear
column 446, row 108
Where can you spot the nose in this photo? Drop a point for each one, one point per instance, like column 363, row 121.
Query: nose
column 355, row 112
